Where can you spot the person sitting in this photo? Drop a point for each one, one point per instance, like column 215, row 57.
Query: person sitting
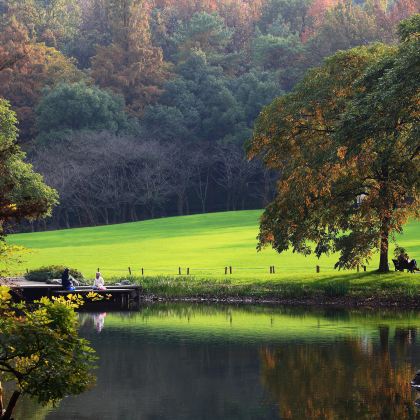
column 99, row 283
column 411, row 264
column 402, row 260
column 67, row 281
column 406, row 263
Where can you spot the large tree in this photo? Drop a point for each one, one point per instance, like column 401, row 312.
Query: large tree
column 23, row 194
column 130, row 66
column 346, row 153
column 380, row 130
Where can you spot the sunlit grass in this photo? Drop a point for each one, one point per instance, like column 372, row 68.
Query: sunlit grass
column 206, row 244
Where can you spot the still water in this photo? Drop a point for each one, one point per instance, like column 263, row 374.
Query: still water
column 196, row 362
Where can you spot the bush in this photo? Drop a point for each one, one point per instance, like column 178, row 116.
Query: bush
column 51, row 272
column 399, row 250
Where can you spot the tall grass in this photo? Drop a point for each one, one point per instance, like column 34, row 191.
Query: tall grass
column 392, row 286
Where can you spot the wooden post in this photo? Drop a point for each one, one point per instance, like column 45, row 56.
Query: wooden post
column 274, row 270
column 271, row 269
column 142, row 271
column 98, row 270
column 179, row 270
column 230, row 269
column 225, row 270
column 364, row 268
column 188, row 271
column 129, row 270
column 358, row 268
column 318, row 268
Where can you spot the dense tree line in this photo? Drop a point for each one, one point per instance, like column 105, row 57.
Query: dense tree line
column 130, row 180
column 140, row 108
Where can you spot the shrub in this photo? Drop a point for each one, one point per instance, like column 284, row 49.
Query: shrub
column 399, row 250
column 51, row 272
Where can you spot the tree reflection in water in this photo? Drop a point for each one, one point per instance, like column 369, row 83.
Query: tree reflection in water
column 352, row 379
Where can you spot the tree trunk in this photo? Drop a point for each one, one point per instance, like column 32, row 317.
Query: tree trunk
column 11, row 406
column 180, row 204
column 383, row 260
column 1, row 399
column 67, row 220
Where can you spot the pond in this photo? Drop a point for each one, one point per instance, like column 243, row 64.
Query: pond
column 177, row 361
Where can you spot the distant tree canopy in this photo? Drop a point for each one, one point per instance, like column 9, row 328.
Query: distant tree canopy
column 345, row 143
column 189, row 73
column 54, row 22
column 135, row 48
column 69, row 107
column 130, row 65
column 28, row 68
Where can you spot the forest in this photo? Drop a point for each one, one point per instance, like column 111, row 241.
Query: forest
column 135, row 109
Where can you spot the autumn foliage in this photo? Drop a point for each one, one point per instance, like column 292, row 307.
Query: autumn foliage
column 345, row 143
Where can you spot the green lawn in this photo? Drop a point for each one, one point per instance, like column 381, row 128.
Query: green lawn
column 205, row 243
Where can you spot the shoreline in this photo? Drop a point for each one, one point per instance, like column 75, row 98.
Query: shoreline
column 344, row 303
column 345, row 290
column 340, row 290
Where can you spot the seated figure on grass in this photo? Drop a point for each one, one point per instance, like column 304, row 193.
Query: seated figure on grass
column 99, row 282
column 68, row 281
column 405, row 262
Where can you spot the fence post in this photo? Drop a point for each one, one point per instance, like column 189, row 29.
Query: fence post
column 274, row 270
column 225, row 270
column 188, row 271
column 364, row 268
column 271, row 269
column 230, row 269
column 318, row 269
column 358, row 268
column 129, row 270
column 142, row 271
column 98, row 270
column 179, row 271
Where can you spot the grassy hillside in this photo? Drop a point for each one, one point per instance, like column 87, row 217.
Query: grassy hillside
column 205, row 243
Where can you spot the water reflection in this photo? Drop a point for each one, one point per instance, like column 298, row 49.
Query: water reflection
column 351, row 379
column 221, row 362
column 99, row 321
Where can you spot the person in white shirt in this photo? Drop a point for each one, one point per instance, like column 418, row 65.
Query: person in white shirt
column 99, row 282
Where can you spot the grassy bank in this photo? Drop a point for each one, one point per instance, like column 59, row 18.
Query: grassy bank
column 349, row 288
column 204, row 243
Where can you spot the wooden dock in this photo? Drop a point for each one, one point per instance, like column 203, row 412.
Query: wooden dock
column 117, row 297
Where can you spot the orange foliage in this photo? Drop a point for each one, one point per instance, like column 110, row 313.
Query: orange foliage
column 25, row 69
column 131, row 66
column 241, row 15
column 316, row 13
column 402, row 9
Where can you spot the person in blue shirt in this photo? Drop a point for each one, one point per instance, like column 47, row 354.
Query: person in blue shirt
column 66, row 280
